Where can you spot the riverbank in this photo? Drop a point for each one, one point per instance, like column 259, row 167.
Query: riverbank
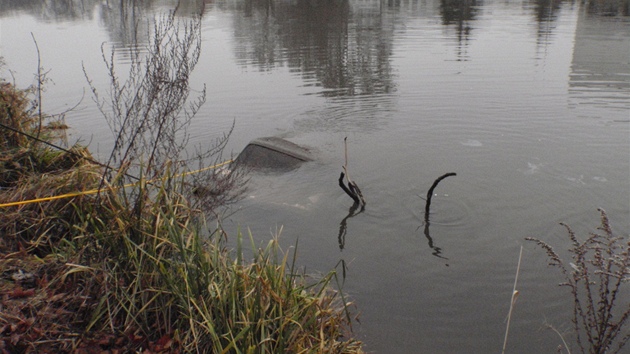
column 131, row 268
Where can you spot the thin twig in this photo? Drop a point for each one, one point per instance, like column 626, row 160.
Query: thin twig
column 345, row 164
column 566, row 346
column 39, row 85
column 514, row 297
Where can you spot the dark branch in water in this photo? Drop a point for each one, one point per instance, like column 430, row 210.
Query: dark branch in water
column 437, row 251
column 355, row 188
column 348, row 191
column 352, row 189
column 430, row 193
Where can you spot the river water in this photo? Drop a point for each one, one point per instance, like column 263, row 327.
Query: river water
column 527, row 101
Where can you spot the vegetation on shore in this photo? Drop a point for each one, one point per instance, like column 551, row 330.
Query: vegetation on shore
column 88, row 273
column 134, row 267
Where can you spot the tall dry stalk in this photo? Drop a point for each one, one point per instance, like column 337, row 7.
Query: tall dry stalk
column 597, row 278
column 513, row 300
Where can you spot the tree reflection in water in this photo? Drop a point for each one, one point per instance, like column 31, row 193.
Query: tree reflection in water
column 344, row 50
column 460, row 13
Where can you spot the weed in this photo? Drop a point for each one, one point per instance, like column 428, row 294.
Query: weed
column 596, row 278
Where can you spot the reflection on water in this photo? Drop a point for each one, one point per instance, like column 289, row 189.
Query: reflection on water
column 346, row 47
column 345, row 51
column 343, row 225
column 600, row 70
column 126, row 24
column 51, row 10
column 437, row 251
column 460, row 14
column 546, row 13
column 607, row 7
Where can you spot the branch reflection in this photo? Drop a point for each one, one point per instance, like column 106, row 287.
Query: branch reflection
column 437, row 251
column 343, row 227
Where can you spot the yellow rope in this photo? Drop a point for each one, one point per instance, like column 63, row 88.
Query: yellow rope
column 45, row 199
column 94, row 191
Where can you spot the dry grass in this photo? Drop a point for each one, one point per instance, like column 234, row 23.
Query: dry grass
column 30, row 170
column 15, row 110
column 123, row 282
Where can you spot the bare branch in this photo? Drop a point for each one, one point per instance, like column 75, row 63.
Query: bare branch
column 430, row 193
column 353, row 189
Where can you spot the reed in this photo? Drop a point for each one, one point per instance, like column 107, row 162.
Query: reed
column 168, row 284
column 596, row 277
column 512, row 301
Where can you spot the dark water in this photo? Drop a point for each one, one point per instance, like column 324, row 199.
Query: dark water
column 527, row 101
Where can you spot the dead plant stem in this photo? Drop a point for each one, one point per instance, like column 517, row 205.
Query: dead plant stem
column 513, row 300
column 39, row 86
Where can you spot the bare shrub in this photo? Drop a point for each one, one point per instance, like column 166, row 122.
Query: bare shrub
column 597, row 277
column 149, row 113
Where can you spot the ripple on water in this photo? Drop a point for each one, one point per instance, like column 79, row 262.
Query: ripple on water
column 447, row 211
column 472, row 143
